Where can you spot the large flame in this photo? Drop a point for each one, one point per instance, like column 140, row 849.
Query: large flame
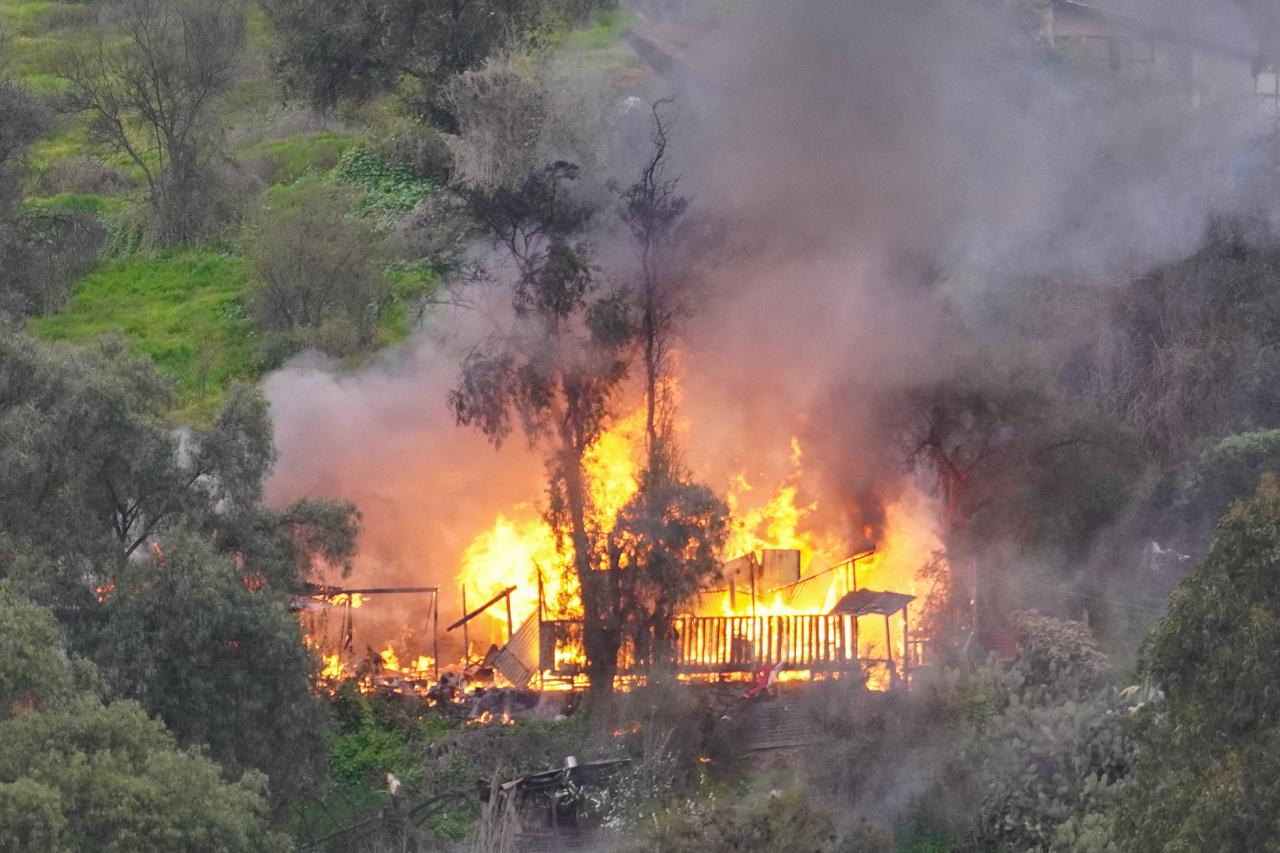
column 521, row 549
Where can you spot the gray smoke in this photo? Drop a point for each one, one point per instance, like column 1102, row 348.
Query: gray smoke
column 858, row 152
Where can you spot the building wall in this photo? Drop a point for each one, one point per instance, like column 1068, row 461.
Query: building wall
column 1197, row 68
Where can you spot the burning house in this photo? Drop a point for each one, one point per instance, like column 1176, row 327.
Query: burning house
column 768, row 621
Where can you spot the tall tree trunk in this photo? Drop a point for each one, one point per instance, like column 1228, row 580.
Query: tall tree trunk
column 601, row 636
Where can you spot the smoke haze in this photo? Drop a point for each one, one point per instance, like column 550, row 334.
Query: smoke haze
column 866, row 156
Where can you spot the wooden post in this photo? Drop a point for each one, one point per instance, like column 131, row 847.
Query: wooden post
column 541, row 684
column 435, row 630
column 888, row 639
column 906, row 647
column 511, row 631
column 466, row 639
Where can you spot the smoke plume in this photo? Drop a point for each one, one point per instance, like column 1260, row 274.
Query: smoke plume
column 881, row 168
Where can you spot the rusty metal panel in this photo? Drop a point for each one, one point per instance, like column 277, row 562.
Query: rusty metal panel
column 868, row 602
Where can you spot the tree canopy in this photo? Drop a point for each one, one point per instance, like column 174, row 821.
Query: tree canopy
column 80, row 774
column 1207, row 775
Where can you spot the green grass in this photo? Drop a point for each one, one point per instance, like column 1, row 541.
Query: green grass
column 605, row 31
column 291, row 157
column 36, row 17
column 103, row 207
column 184, row 310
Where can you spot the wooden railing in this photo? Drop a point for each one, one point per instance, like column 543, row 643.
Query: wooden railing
column 711, row 644
column 744, row 643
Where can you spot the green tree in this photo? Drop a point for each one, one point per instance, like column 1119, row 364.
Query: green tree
column 39, row 254
column 1208, row 770
column 219, row 663
column 80, row 775
column 1226, row 472
column 663, row 549
column 94, row 471
column 95, row 480
column 355, row 49
column 319, row 272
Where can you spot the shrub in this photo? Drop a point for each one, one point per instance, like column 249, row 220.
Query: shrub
column 1048, row 774
column 765, row 823
column 319, row 273
column 81, row 174
column 385, row 190
column 422, row 152
column 1057, row 653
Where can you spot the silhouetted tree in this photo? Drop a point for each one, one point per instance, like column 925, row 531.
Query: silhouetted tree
column 555, row 372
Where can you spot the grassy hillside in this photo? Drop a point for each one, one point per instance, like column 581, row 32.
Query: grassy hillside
column 183, row 309
column 186, row 307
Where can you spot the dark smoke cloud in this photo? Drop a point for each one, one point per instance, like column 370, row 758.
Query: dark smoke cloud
column 891, row 166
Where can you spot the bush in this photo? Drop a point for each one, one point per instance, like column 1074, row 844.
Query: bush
column 1049, row 773
column 81, row 174
column 765, row 823
column 501, row 109
column 386, row 191
column 422, row 152
column 319, row 273
column 1057, row 653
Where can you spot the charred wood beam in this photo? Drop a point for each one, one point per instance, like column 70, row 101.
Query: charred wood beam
column 482, row 608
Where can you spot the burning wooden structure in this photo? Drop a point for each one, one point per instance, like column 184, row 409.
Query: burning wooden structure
column 810, row 625
column 767, row 620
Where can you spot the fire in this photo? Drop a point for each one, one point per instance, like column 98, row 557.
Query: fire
column 333, row 669
column 524, row 552
column 777, row 523
column 513, row 552
column 521, row 549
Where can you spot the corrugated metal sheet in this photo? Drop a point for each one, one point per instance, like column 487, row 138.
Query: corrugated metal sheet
column 811, row 594
column 517, row 661
column 778, row 567
column 867, row 602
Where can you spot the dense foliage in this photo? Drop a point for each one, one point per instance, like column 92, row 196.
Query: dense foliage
column 1206, row 776
column 81, row 774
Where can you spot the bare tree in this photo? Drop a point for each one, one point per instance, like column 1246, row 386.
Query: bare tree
column 652, row 211
column 150, row 83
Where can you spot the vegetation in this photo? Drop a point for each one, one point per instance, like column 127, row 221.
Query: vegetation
column 319, row 274
column 194, row 192
column 149, row 87
column 1211, row 657
column 81, row 774
column 183, row 309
